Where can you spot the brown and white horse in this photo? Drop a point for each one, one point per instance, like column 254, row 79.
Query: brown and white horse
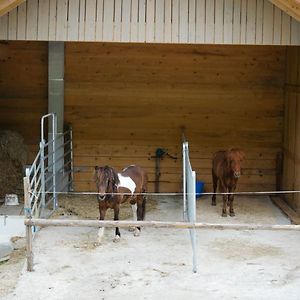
column 226, row 170
column 115, row 188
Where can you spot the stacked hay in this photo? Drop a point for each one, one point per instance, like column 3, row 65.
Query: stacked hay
column 13, row 156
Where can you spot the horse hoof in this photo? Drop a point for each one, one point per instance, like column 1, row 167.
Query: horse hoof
column 224, row 214
column 116, row 239
column 232, row 214
column 131, row 229
column 214, row 203
column 137, row 232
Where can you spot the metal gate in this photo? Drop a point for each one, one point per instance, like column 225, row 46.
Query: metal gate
column 51, row 170
column 189, row 197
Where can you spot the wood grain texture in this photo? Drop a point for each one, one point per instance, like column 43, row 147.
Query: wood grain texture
column 291, row 167
column 125, row 101
column 21, row 108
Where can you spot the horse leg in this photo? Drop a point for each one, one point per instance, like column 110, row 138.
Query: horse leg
column 101, row 229
column 140, row 213
column 134, row 215
column 231, row 211
column 215, row 185
column 225, row 199
column 116, row 218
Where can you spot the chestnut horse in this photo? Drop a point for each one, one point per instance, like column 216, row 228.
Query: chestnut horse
column 115, row 188
column 226, row 170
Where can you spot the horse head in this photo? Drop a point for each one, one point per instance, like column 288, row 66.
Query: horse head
column 234, row 159
column 106, row 180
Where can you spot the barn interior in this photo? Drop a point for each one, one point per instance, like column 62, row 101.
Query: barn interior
column 126, row 101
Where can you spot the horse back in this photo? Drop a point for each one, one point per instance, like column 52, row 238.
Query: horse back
column 138, row 175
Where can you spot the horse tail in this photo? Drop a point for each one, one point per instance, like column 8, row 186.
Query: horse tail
column 144, row 207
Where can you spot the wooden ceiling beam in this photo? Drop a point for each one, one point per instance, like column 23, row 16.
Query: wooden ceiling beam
column 291, row 7
column 7, row 5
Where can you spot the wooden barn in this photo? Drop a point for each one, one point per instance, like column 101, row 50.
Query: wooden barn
column 131, row 76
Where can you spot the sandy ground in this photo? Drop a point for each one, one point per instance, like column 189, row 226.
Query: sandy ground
column 157, row 264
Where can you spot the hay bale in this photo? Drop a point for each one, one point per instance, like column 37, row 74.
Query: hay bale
column 13, row 156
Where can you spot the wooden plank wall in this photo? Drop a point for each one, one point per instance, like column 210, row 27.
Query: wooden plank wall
column 291, row 167
column 126, row 100
column 23, row 89
column 159, row 21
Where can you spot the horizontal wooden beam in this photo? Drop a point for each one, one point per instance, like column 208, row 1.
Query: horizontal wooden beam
column 156, row 224
column 8, row 5
column 291, row 7
column 292, row 215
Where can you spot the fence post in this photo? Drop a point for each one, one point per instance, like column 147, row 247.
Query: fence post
column 71, row 187
column 42, row 163
column 27, row 209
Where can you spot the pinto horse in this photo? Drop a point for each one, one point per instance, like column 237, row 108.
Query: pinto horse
column 226, row 170
column 115, row 188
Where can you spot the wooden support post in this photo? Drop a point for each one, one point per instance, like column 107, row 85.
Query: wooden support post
column 29, row 254
column 27, row 208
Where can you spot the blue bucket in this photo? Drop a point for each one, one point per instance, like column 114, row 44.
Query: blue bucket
column 199, row 188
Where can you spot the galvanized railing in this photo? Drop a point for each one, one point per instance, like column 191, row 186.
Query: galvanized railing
column 51, row 170
column 189, row 197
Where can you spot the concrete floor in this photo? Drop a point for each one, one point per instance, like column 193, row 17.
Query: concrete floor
column 157, row 265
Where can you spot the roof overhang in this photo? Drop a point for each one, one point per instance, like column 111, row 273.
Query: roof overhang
column 291, row 7
column 7, row 5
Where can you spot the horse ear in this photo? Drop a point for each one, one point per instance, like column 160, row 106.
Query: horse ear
column 96, row 168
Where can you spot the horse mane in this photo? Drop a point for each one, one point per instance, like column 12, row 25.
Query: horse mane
column 112, row 175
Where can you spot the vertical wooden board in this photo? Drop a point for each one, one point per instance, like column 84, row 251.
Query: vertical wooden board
column 200, row 21
column 142, row 21
column 168, row 21
column 108, row 16
column 126, row 20
column 228, row 21
column 192, row 22
column 150, row 16
column 61, row 22
column 295, row 32
column 236, row 21
column 183, row 21
column 52, row 20
column 81, row 26
column 286, row 29
column 43, row 20
column 175, row 21
column 90, row 20
column 219, row 21
column 259, row 22
column 12, row 24
column 32, row 18
column 73, row 21
column 268, row 23
column 159, row 21
column 134, row 20
column 117, row 20
column 243, row 21
column 99, row 20
column 288, row 80
column 21, row 30
column 277, row 26
column 297, row 141
column 108, row 26
column 292, row 141
column 251, row 22
column 209, row 22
